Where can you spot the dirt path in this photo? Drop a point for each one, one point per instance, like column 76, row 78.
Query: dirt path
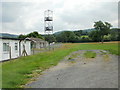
column 76, row 71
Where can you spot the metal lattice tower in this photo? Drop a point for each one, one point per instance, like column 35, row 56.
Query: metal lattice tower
column 48, row 21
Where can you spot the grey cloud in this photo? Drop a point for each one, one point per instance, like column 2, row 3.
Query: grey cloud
column 65, row 18
column 107, row 11
column 11, row 11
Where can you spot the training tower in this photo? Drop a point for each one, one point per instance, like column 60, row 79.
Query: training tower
column 48, row 22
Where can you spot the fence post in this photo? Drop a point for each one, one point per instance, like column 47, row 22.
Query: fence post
column 10, row 51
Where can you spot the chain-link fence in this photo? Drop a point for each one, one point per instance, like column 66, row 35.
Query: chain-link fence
column 47, row 48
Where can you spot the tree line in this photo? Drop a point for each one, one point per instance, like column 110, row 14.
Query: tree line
column 102, row 32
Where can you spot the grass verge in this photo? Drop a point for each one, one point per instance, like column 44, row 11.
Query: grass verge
column 90, row 54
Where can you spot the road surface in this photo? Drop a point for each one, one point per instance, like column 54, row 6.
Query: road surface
column 81, row 72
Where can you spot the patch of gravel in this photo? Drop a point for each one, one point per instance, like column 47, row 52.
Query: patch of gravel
column 81, row 72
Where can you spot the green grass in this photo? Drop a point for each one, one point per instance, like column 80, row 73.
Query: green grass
column 90, row 54
column 106, row 57
column 16, row 72
column 84, row 36
column 73, row 56
column 111, row 47
column 0, row 75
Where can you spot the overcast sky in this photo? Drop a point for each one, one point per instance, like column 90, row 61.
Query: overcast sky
column 23, row 17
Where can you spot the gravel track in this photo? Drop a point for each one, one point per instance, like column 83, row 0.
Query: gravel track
column 81, row 72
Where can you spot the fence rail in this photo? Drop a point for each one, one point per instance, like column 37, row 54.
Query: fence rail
column 44, row 49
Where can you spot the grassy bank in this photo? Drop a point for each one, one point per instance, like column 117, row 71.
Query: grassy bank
column 90, row 54
column 15, row 73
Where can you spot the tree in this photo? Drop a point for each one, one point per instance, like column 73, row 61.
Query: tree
column 50, row 38
column 22, row 36
column 66, row 36
column 78, row 33
column 103, row 29
column 32, row 34
column 95, row 36
column 35, row 35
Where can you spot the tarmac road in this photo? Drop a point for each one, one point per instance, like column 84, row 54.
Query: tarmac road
column 99, row 72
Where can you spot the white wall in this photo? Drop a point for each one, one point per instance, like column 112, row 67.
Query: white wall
column 27, row 47
column 14, row 53
column 5, row 55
